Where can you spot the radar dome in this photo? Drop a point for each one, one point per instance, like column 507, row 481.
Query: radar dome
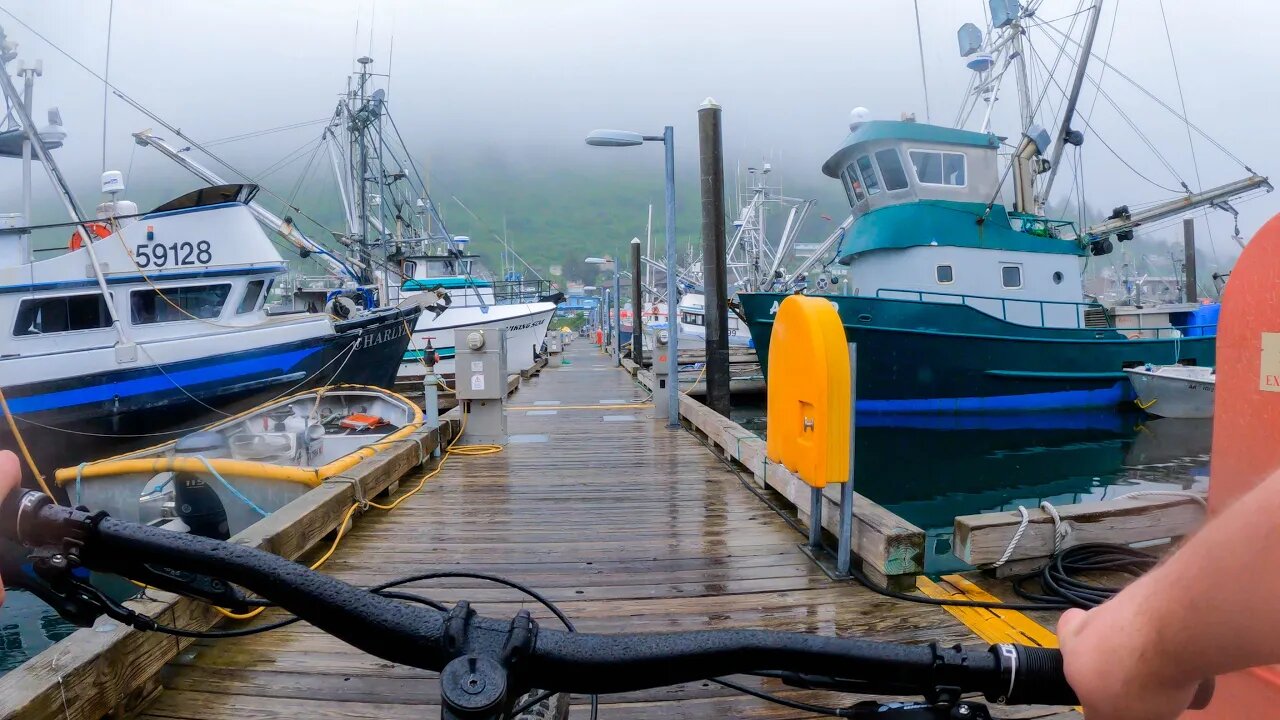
column 858, row 115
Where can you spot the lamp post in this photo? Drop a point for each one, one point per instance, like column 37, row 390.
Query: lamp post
column 626, row 138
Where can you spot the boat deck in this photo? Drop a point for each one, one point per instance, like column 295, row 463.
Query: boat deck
column 626, row 525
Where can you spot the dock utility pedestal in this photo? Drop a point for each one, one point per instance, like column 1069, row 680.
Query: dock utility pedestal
column 480, row 374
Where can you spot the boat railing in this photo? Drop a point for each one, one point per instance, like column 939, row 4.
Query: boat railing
column 986, row 304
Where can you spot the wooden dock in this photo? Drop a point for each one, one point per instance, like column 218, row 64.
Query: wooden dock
column 627, row 525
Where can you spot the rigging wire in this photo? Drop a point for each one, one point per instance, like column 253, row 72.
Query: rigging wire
column 1198, row 130
column 1195, row 164
column 1100, row 139
column 1133, row 126
column 264, row 132
column 106, row 72
column 924, row 80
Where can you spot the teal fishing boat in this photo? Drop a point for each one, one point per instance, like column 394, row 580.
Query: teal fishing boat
column 958, row 303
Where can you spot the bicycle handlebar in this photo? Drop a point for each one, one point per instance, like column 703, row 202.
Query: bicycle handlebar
column 470, row 649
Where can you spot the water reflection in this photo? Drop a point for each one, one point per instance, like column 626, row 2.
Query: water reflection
column 929, row 469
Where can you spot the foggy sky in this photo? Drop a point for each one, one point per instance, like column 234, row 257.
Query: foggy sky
column 522, row 82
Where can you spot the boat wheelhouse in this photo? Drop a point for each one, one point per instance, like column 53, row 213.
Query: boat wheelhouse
column 959, row 304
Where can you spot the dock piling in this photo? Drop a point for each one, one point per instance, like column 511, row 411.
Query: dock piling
column 1189, row 258
column 637, row 305
column 711, row 166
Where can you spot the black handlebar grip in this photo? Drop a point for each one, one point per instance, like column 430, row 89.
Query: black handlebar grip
column 1035, row 677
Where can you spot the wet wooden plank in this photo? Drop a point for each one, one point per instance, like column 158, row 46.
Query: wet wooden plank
column 92, row 673
column 982, row 539
column 627, row 526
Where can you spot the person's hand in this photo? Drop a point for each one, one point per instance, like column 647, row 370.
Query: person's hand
column 10, row 478
column 1114, row 663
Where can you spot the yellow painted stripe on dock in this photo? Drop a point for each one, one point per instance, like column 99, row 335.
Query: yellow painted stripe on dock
column 993, row 626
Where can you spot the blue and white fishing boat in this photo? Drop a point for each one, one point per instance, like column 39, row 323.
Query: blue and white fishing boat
column 147, row 325
column 959, row 303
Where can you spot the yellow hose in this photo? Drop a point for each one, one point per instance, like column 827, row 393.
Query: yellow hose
column 22, row 446
column 453, row 449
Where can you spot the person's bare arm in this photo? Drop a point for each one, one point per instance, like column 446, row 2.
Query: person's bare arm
column 1208, row 610
column 10, row 477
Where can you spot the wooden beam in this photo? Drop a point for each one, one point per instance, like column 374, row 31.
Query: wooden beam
column 883, row 541
column 93, row 673
column 982, row 539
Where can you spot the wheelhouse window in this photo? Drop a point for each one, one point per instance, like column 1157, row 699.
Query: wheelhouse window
column 945, row 275
column 934, row 167
column 64, row 313
column 848, row 188
column 855, row 184
column 252, row 294
column 1011, row 276
column 410, row 269
column 868, row 172
column 172, row 304
column 895, row 177
column 692, row 318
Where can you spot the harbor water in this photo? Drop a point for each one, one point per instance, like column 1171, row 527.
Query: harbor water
column 931, row 468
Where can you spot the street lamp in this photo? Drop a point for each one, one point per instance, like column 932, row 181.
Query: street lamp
column 626, row 138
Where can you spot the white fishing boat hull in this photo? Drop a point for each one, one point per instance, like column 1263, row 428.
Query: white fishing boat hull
column 526, row 325
column 1174, row 391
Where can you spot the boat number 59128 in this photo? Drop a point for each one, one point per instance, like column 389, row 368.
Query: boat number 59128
column 175, row 253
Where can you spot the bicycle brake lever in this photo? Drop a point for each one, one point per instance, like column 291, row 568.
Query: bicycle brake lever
column 204, row 587
column 49, row 576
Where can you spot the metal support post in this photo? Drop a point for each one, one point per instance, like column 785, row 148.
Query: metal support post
column 844, row 551
column 673, row 296
column 617, row 319
column 815, row 518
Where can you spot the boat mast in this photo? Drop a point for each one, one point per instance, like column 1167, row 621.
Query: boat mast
column 362, row 167
column 1065, row 133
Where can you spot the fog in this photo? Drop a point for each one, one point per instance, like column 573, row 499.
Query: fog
column 515, row 86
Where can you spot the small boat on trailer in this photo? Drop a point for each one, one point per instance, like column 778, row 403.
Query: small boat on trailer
column 1174, row 391
column 222, row 479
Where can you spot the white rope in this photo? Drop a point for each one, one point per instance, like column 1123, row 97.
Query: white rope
column 1199, row 498
column 1013, row 542
column 1062, row 530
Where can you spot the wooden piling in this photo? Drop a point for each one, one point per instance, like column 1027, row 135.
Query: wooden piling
column 714, row 280
column 637, row 305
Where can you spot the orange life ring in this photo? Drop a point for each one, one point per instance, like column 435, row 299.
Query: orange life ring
column 100, row 230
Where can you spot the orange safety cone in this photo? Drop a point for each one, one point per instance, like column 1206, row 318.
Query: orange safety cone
column 1246, row 418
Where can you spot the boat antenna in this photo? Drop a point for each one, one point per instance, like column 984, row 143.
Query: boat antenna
column 106, row 85
column 924, row 80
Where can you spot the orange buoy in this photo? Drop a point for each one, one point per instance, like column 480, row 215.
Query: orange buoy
column 96, row 229
column 1246, row 415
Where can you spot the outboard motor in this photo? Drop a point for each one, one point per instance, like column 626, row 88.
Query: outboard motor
column 195, row 501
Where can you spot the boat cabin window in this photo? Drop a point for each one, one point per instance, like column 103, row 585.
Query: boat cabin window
column 854, row 184
column 868, row 173
column 1011, row 276
column 64, row 313
column 252, row 293
column 409, row 268
column 192, row 302
column 895, row 178
column 934, row 167
column 945, row 275
column 692, row 318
